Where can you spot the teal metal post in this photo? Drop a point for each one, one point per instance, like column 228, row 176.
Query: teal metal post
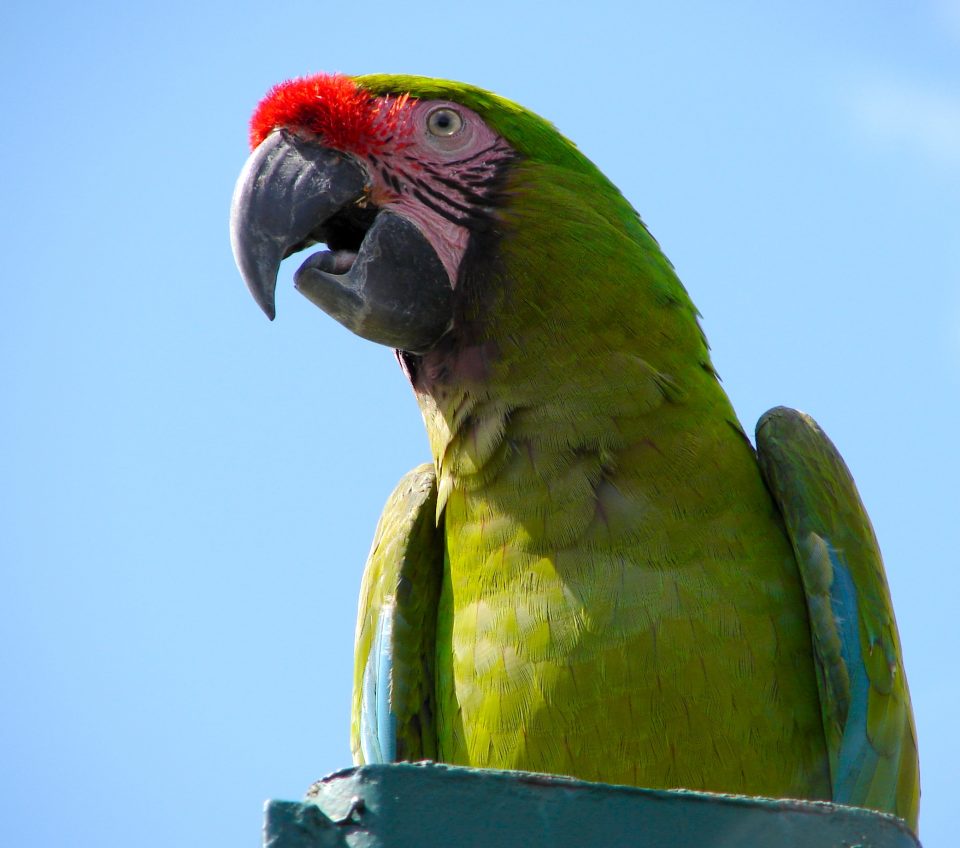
column 425, row 804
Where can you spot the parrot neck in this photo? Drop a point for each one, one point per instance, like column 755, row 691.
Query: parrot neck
column 577, row 367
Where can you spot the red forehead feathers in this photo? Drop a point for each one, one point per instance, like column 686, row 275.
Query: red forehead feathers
column 331, row 106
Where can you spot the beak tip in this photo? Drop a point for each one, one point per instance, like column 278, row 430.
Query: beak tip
column 266, row 302
column 287, row 188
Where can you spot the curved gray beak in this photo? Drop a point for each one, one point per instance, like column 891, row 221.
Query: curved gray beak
column 382, row 278
column 287, row 189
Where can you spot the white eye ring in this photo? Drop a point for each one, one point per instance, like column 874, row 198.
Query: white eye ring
column 444, row 122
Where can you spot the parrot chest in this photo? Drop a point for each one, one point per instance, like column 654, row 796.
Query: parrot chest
column 649, row 658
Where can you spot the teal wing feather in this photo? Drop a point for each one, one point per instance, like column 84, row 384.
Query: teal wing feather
column 865, row 702
column 394, row 676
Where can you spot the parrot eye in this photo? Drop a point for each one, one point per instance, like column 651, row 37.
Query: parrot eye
column 444, row 122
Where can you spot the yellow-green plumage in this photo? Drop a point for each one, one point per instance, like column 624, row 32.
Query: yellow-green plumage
column 619, row 599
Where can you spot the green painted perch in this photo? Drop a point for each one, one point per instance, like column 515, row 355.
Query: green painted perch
column 425, row 805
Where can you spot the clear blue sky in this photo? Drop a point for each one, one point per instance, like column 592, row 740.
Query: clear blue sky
column 188, row 491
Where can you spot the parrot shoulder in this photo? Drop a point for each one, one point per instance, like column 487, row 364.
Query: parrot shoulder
column 865, row 702
column 393, row 685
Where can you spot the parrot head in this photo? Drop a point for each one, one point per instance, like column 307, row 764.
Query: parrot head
column 393, row 185
column 401, row 177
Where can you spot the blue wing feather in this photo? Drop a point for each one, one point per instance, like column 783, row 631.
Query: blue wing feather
column 393, row 701
column 855, row 756
column 378, row 721
column 865, row 702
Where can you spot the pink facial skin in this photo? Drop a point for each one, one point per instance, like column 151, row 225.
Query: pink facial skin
column 437, row 181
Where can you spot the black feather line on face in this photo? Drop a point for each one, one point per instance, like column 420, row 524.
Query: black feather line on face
column 475, row 156
column 465, row 191
column 481, row 292
column 439, row 196
column 436, row 207
column 390, row 180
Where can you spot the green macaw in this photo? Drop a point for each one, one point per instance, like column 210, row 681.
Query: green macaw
column 597, row 575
